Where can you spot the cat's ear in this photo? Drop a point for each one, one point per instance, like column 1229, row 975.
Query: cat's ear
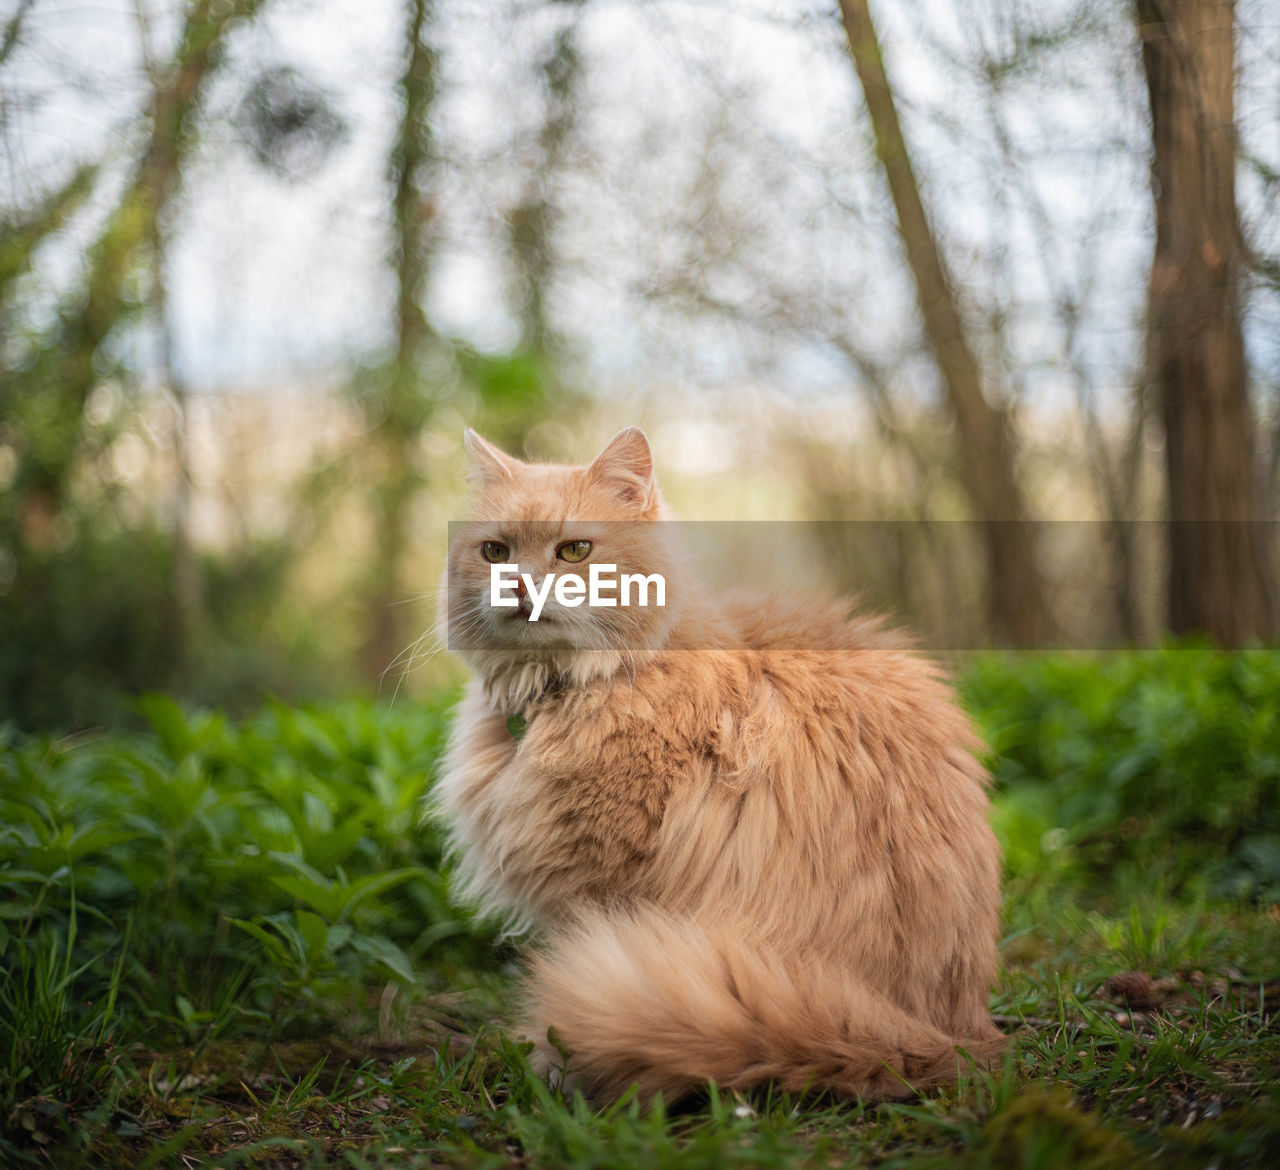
column 491, row 463
column 625, row 467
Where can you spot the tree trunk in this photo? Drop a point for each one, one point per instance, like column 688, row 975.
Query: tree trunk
column 186, row 603
column 168, row 89
column 1219, row 544
column 404, row 406
column 1016, row 603
column 532, row 222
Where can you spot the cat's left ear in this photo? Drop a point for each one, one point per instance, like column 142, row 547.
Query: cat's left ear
column 492, row 463
column 625, row 467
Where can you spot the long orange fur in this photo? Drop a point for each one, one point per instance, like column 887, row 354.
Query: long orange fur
column 750, row 834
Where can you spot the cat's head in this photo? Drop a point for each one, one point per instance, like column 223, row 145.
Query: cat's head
column 535, row 521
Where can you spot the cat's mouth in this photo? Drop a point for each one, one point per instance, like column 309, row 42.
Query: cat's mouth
column 525, row 617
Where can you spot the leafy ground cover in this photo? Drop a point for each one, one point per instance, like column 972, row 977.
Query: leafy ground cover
column 232, row 944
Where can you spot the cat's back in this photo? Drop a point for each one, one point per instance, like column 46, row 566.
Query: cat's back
column 780, row 621
column 828, row 663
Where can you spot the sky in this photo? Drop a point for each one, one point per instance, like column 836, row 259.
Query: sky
column 751, row 106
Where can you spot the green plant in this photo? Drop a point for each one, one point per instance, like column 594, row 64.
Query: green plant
column 1143, row 767
column 232, row 943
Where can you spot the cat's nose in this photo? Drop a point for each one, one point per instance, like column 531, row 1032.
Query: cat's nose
column 521, row 589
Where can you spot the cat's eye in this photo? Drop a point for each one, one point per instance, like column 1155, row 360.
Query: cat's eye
column 495, row 552
column 574, row 551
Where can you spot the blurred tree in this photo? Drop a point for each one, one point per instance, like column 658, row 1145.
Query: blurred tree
column 399, row 397
column 69, row 361
column 1113, row 462
column 50, row 374
column 12, row 35
column 23, row 231
column 532, row 221
column 1220, row 547
column 1016, row 604
column 521, row 388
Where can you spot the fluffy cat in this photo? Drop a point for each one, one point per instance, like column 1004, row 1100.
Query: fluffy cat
column 750, row 833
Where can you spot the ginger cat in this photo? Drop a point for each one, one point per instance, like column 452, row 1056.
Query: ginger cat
column 750, row 833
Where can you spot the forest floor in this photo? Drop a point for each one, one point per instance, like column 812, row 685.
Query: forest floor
column 231, row 945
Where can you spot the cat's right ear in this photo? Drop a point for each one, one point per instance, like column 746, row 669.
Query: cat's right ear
column 626, row 467
column 490, row 463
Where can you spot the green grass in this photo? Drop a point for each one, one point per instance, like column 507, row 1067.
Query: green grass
column 233, row 945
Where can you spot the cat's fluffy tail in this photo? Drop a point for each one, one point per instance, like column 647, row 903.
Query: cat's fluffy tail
column 670, row 1004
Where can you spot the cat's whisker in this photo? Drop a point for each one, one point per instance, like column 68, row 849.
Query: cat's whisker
column 415, row 661
column 407, row 652
column 411, row 648
column 413, row 598
column 414, row 657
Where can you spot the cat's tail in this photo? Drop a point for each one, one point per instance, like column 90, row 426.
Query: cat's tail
column 669, row 1004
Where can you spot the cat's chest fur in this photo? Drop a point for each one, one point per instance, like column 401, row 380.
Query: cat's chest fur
column 566, row 815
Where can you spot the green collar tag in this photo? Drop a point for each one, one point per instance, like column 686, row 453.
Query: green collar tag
column 516, row 726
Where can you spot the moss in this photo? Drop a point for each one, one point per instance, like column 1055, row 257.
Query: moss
column 1044, row 1130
